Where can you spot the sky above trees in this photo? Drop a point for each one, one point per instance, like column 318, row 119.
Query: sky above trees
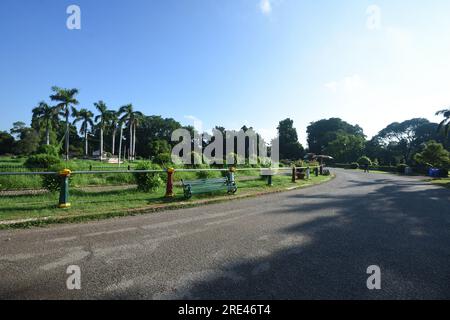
column 232, row 63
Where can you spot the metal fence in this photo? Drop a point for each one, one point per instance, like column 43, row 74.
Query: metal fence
column 268, row 173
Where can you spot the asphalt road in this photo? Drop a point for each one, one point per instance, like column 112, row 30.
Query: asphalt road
column 314, row 243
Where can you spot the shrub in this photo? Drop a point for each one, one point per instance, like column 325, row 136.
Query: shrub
column 148, row 181
column 401, row 168
column 163, row 159
column 49, row 149
column 363, row 161
column 42, row 161
column 353, row 165
column 53, row 182
column 326, row 172
column 443, row 173
column 207, row 174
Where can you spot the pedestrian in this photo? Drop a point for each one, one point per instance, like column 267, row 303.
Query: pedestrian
column 366, row 168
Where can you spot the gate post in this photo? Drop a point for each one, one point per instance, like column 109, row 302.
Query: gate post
column 294, row 174
column 169, row 186
column 231, row 174
column 64, row 192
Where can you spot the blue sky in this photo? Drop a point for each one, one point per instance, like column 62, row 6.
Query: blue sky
column 231, row 62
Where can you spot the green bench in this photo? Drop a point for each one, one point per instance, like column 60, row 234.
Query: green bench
column 207, row 186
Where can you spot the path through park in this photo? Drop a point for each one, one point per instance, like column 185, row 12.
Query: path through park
column 304, row 244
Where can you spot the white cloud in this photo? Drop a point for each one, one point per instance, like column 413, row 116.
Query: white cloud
column 265, row 7
column 332, row 86
column 348, row 84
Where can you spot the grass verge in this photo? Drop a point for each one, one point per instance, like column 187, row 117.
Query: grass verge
column 443, row 182
column 40, row 210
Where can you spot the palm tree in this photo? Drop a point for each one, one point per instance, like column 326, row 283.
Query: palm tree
column 66, row 99
column 446, row 122
column 131, row 118
column 45, row 116
column 85, row 116
column 113, row 124
column 102, row 120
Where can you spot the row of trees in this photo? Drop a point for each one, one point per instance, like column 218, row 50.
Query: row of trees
column 53, row 124
column 150, row 136
column 398, row 143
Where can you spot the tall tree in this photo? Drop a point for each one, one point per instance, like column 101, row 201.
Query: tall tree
column 66, row 99
column 85, row 117
column 290, row 147
column 323, row 132
column 113, row 124
column 47, row 117
column 131, row 117
column 445, row 124
column 6, row 142
column 28, row 139
column 346, row 147
column 404, row 135
column 102, row 120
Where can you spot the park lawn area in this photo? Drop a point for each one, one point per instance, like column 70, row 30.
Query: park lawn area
column 373, row 171
column 87, row 205
column 443, row 182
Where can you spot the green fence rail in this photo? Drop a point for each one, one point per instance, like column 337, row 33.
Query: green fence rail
column 295, row 172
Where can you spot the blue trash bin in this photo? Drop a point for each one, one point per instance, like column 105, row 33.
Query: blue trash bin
column 433, row 172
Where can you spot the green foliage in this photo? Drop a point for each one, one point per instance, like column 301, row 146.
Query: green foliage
column 434, row 155
column 207, row 174
column 148, row 181
column 6, row 143
column 53, row 182
column 363, row 161
column 290, row 147
column 321, row 133
column 28, row 143
column 401, row 168
column 443, row 173
column 49, row 149
column 163, row 159
column 42, row 161
column 346, row 147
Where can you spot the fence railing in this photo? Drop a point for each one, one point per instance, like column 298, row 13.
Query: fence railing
column 265, row 172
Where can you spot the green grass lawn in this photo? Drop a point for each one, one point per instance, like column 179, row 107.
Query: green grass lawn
column 35, row 182
column 94, row 204
column 443, row 182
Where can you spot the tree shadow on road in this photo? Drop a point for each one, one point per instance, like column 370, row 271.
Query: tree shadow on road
column 402, row 227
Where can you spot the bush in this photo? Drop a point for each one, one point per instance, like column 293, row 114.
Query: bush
column 443, row 173
column 49, row 149
column 53, row 182
column 147, row 181
column 163, row 159
column 42, row 161
column 401, row 168
column 363, row 161
column 353, row 165
column 207, row 174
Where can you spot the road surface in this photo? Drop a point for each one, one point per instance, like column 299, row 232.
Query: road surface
column 313, row 243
